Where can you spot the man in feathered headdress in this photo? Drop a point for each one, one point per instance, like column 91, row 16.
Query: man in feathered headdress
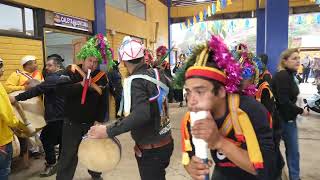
column 86, row 102
column 236, row 128
column 145, row 107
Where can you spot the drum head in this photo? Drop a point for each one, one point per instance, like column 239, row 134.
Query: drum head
column 100, row 155
column 33, row 110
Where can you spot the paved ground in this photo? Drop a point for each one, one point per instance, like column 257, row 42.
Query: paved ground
column 309, row 138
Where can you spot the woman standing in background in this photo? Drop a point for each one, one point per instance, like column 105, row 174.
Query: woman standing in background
column 286, row 90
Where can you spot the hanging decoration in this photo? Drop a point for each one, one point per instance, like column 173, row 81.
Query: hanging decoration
column 218, row 6
column 189, row 23
column 318, row 19
column 208, row 12
column 200, row 16
column 205, row 14
column 247, row 23
column 223, row 4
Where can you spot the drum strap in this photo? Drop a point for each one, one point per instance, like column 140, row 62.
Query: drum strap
column 125, row 104
column 24, row 74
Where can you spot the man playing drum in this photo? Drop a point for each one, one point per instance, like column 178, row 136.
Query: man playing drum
column 21, row 80
column 86, row 101
column 7, row 121
column 146, row 111
column 51, row 134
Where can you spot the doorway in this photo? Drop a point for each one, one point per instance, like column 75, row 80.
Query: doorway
column 66, row 44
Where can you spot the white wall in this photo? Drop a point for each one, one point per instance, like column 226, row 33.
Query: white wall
column 64, row 51
column 61, row 43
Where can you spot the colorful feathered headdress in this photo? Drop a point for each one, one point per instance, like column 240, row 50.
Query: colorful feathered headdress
column 228, row 71
column 99, row 47
column 251, row 66
column 161, row 50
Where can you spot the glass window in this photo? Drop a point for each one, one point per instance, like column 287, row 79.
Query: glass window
column 137, row 8
column 11, row 18
column 120, row 4
column 29, row 21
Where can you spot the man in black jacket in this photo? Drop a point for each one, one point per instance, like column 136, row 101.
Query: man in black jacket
column 82, row 113
column 147, row 119
column 54, row 112
column 115, row 84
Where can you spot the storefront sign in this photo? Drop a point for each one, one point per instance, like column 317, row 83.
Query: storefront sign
column 71, row 22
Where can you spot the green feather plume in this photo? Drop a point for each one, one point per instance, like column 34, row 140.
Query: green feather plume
column 179, row 80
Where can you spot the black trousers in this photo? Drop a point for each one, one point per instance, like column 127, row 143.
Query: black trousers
column 51, row 135
column 153, row 162
column 71, row 139
column 178, row 95
column 306, row 72
column 170, row 95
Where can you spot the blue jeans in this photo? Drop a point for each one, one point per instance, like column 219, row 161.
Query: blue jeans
column 290, row 138
column 5, row 162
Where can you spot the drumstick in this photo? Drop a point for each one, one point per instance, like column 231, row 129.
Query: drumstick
column 21, row 112
column 23, row 116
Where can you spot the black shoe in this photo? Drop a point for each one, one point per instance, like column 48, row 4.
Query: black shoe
column 49, row 170
column 181, row 104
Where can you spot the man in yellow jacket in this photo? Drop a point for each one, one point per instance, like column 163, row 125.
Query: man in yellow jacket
column 21, row 80
column 7, row 121
column 18, row 80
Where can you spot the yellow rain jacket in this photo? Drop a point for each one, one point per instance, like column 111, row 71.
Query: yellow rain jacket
column 16, row 81
column 7, row 118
